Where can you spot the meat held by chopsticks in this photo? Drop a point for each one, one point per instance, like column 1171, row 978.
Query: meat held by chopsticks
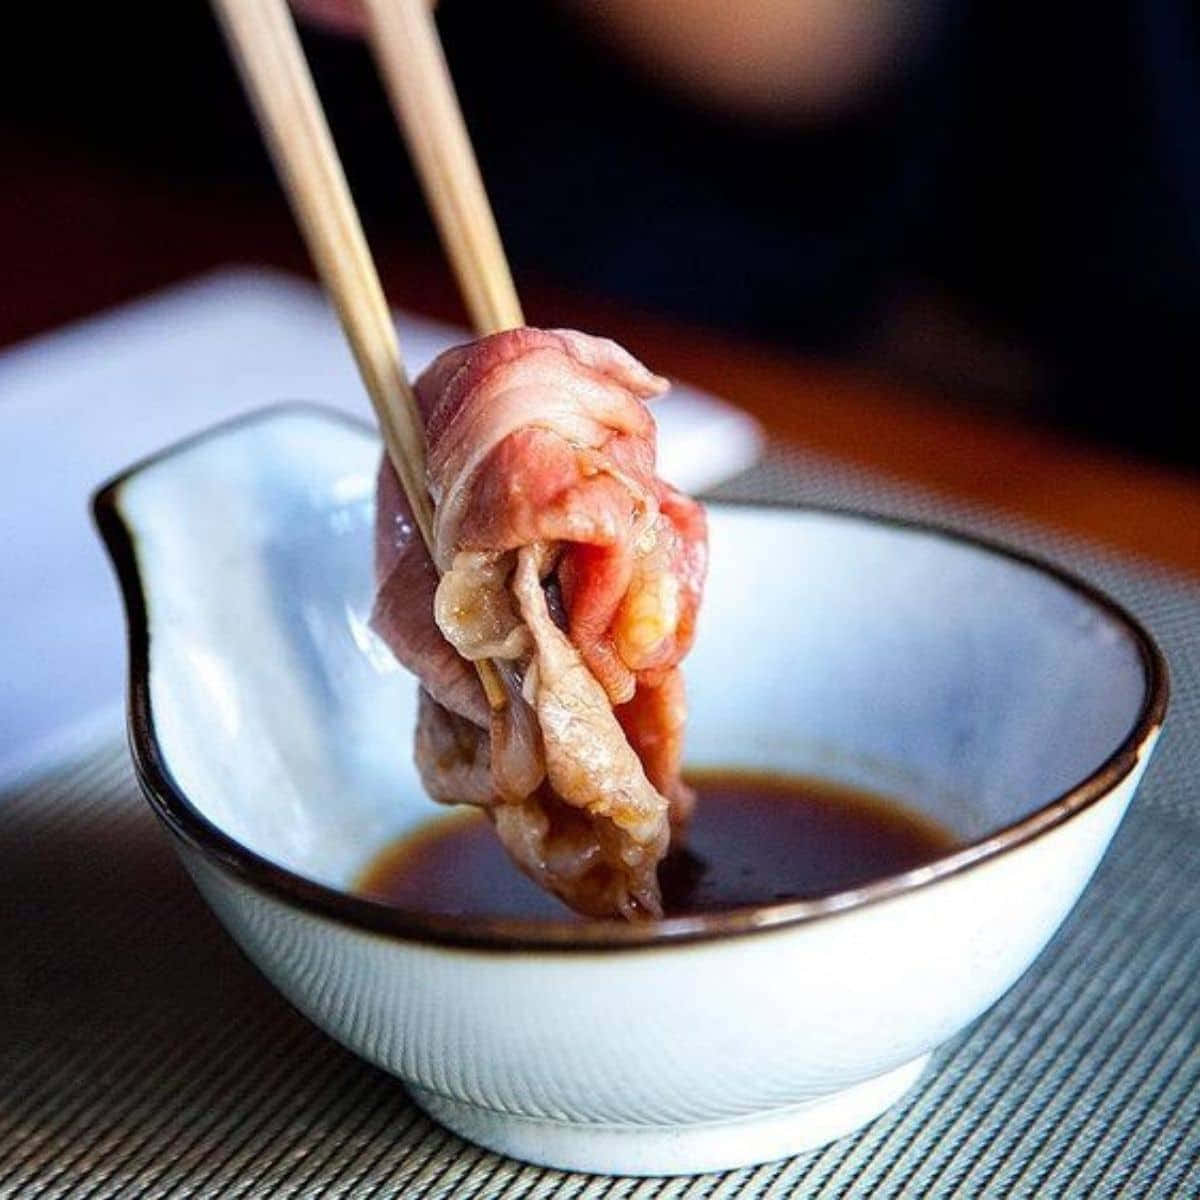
column 562, row 557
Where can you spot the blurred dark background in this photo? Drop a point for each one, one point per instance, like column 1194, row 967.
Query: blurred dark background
column 1005, row 207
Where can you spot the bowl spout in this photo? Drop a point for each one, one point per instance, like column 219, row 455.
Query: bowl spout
column 245, row 564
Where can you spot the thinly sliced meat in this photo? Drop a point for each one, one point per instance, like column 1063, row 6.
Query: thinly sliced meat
column 406, row 582
column 589, row 762
column 453, row 755
column 654, row 721
column 568, row 563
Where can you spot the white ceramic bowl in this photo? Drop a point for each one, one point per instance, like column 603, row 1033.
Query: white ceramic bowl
column 271, row 733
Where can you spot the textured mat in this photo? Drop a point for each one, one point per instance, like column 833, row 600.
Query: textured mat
column 141, row 1056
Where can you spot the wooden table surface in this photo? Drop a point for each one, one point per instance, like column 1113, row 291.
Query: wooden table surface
column 77, row 236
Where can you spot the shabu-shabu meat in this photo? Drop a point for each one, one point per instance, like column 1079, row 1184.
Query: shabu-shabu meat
column 565, row 560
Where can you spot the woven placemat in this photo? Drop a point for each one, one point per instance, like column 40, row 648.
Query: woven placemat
column 141, row 1056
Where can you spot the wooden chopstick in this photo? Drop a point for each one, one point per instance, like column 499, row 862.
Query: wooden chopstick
column 408, row 53
column 267, row 50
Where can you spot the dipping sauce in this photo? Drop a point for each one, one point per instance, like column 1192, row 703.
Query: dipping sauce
column 754, row 839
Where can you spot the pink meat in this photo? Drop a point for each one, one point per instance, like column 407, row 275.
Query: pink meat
column 563, row 557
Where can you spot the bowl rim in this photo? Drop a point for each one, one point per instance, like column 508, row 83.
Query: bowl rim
column 185, row 821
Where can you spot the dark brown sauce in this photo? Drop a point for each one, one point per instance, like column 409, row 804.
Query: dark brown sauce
column 753, row 839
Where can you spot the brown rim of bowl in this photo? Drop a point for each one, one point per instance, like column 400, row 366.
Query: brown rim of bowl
column 505, row 934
